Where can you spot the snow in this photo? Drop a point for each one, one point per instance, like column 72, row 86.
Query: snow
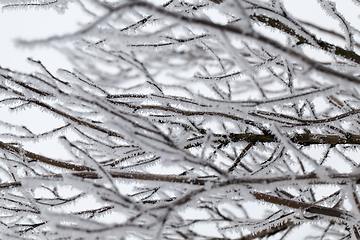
column 175, row 112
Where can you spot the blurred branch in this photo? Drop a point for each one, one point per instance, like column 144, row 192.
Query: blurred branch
column 327, row 47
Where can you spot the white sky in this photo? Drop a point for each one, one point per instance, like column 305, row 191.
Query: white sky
column 33, row 24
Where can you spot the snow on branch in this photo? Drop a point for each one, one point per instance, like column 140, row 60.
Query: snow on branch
column 180, row 114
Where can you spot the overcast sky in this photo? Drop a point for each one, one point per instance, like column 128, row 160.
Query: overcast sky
column 34, row 24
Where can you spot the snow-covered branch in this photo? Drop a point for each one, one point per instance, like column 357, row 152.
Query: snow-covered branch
column 183, row 114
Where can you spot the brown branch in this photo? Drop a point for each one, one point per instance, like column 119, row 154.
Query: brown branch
column 36, row 157
column 241, row 156
column 299, row 138
column 308, row 207
column 76, row 120
column 328, row 47
column 271, row 231
column 326, row 31
column 9, row 185
column 303, row 122
column 311, row 178
column 304, row 139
